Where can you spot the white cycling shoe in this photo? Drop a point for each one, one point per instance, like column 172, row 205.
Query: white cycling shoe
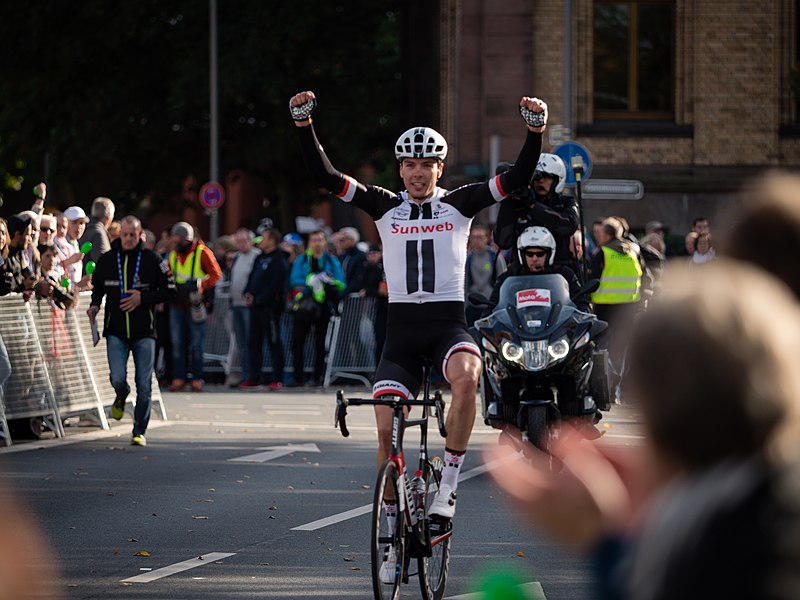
column 444, row 503
column 389, row 566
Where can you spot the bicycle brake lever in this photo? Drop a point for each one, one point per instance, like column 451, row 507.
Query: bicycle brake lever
column 340, row 417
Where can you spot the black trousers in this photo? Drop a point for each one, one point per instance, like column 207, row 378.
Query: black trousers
column 265, row 326
column 302, row 327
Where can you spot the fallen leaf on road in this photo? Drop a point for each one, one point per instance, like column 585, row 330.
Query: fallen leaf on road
column 116, row 551
column 111, row 493
column 211, row 490
column 289, row 487
column 239, row 481
column 349, row 558
column 199, row 517
column 355, row 568
column 521, row 554
column 274, row 507
column 132, row 540
column 142, row 553
column 365, row 486
column 272, row 517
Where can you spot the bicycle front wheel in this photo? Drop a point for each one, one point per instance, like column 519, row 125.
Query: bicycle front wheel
column 433, row 569
column 388, row 540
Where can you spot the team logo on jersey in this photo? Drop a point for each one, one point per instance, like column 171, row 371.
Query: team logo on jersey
column 427, row 228
column 536, row 297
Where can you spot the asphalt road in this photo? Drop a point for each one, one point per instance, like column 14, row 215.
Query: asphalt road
column 256, row 495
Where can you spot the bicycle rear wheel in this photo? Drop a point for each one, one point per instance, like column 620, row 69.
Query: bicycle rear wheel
column 385, row 538
column 433, row 569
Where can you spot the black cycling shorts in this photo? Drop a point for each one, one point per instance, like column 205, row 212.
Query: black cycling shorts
column 433, row 330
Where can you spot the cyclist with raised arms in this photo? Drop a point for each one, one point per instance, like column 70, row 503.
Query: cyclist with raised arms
column 424, row 230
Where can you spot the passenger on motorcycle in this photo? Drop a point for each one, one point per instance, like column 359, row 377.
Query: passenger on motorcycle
column 536, row 249
column 541, row 204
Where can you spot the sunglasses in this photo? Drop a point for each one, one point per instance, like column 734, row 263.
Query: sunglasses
column 47, row 230
column 535, row 253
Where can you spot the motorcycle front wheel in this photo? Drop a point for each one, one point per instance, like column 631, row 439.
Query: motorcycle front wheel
column 542, row 431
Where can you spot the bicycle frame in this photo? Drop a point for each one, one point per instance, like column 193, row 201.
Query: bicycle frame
column 406, row 501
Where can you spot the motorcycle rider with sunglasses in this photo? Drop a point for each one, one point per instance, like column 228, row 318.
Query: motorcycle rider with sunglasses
column 536, row 251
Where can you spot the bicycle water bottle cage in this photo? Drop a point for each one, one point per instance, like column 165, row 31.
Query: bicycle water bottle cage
column 533, row 119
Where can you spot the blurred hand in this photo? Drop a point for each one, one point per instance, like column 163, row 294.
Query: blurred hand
column 591, row 497
column 133, row 301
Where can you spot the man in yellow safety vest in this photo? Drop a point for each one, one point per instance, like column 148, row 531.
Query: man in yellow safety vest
column 617, row 263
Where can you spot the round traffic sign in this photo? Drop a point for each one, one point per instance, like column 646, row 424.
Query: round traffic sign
column 567, row 152
column 212, row 195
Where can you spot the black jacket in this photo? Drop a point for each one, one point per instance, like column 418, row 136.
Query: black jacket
column 268, row 281
column 354, row 265
column 154, row 281
column 557, row 212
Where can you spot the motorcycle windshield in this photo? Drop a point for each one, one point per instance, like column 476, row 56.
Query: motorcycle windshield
column 533, row 298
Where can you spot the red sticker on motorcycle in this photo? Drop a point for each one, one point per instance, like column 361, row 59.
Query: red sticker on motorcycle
column 536, row 297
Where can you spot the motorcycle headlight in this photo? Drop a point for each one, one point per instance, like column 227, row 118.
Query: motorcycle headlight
column 511, row 352
column 558, row 349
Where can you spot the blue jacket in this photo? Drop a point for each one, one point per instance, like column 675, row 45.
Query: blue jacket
column 302, row 267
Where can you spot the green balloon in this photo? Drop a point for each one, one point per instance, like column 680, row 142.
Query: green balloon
column 86, row 248
column 90, row 267
column 65, row 282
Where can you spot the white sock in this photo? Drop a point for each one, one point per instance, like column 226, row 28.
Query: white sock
column 390, row 509
column 452, row 467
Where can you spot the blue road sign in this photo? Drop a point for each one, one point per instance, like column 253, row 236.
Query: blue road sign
column 566, row 152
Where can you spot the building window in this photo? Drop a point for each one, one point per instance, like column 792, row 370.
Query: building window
column 634, row 64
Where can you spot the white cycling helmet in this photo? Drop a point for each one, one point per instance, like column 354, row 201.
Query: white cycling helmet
column 536, row 237
column 553, row 166
column 421, row 142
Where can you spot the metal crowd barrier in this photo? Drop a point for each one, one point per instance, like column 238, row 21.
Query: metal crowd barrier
column 27, row 393
column 220, row 344
column 350, row 343
column 55, row 371
column 352, row 346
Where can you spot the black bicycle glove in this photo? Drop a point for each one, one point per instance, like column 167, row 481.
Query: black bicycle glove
column 533, row 119
column 302, row 112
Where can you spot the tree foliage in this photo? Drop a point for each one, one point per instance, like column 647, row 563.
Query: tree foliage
column 114, row 96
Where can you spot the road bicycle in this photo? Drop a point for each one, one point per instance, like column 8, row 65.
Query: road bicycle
column 416, row 534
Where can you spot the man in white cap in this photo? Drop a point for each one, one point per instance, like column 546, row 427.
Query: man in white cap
column 195, row 269
column 76, row 224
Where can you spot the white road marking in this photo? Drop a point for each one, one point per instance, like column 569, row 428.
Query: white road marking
column 192, row 563
column 532, row 590
column 275, row 452
column 362, row 510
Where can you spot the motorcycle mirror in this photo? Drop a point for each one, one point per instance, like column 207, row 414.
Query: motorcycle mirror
column 477, row 299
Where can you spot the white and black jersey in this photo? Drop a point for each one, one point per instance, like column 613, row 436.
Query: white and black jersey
column 424, row 245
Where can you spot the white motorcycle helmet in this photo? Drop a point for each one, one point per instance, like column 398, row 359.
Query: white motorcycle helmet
column 421, row 142
column 553, row 166
column 536, row 237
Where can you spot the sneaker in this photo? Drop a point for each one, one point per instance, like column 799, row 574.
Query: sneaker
column 177, row 385
column 444, row 504
column 388, row 570
column 118, row 408
column 275, row 385
column 138, row 440
column 249, row 385
column 197, row 385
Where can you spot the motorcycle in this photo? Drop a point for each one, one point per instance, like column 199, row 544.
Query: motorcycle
column 540, row 359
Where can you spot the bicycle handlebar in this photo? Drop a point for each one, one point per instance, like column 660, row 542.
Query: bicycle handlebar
column 340, row 415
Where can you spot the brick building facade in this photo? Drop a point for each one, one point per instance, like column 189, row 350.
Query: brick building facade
column 731, row 110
